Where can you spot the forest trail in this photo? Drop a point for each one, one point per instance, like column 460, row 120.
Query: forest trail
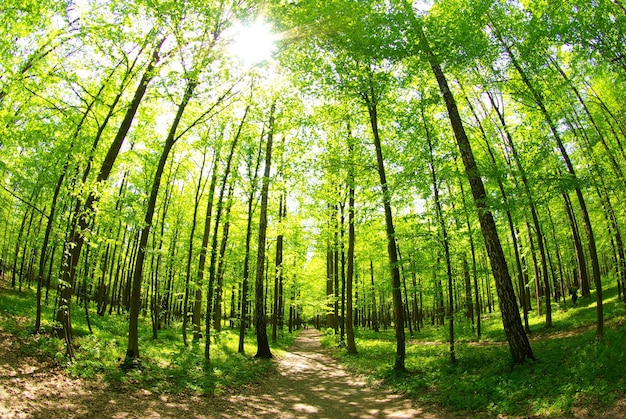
column 310, row 384
column 306, row 384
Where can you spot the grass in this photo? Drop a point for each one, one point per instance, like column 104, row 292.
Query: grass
column 167, row 365
column 572, row 371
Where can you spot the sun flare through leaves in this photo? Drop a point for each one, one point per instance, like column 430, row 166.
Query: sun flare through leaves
column 253, row 43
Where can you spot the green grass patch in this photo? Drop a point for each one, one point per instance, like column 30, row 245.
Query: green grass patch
column 572, row 370
column 168, row 366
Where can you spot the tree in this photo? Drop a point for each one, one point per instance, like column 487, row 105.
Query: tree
column 371, row 97
column 85, row 214
column 252, row 159
column 444, row 236
column 132, row 352
column 516, row 336
column 350, row 344
column 260, row 320
column 595, row 265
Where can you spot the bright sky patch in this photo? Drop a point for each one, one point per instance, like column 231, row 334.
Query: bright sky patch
column 253, row 43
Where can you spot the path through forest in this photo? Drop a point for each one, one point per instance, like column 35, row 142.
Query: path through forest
column 310, row 384
column 307, row 384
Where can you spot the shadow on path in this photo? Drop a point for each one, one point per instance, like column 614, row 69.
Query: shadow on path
column 310, row 384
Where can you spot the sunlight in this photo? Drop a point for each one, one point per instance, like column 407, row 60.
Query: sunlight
column 422, row 6
column 253, row 43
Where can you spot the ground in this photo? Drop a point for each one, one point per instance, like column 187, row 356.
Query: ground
column 307, row 384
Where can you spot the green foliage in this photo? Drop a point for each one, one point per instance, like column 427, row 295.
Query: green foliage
column 329, row 339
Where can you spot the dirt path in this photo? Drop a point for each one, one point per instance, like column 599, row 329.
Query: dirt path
column 308, row 384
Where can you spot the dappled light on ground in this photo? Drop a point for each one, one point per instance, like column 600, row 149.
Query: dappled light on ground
column 310, row 384
column 307, row 384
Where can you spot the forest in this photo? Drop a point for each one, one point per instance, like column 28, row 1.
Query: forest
column 438, row 186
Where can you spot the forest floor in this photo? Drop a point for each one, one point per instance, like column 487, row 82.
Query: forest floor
column 307, row 383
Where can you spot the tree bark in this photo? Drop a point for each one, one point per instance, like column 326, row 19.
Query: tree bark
column 371, row 99
column 260, row 321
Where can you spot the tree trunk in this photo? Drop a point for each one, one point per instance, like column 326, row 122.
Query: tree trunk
column 350, row 343
column 197, row 306
column 371, row 100
column 477, row 307
column 214, row 248
column 260, row 322
column 593, row 253
column 516, row 336
column 374, row 313
column 219, row 286
column 246, row 260
column 194, row 222
column 75, row 243
column 531, row 202
column 278, row 276
column 444, row 236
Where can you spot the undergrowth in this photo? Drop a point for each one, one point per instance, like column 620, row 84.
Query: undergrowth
column 168, row 366
column 572, row 371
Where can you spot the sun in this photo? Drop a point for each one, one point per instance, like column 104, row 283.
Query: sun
column 253, row 43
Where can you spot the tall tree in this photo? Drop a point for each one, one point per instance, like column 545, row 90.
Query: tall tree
column 132, row 351
column 253, row 173
column 593, row 253
column 350, row 343
column 260, row 318
column 371, row 97
column 516, row 336
column 444, row 236
column 85, row 215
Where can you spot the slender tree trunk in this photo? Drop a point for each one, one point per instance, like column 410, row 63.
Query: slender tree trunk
column 260, row 321
column 350, row 343
column 219, row 286
column 77, row 240
column 593, row 253
column 246, row 260
column 615, row 166
column 197, row 306
column 194, row 221
column 371, row 99
column 601, row 190
column 342, row 223
column 336, row 267
column 580, row 280
column 374, row 314
column 214, row 248
column 477, row 306
column 444, row 236
column 533, row 211
column 278, row 276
